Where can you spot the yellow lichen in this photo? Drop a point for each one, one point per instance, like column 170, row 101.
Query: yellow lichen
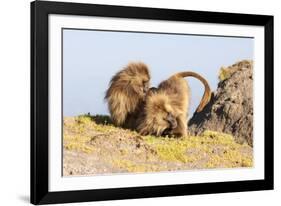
column 176, row 149
column 224, row 73
column 78, row 146
column 210, row 149
column 131, row 166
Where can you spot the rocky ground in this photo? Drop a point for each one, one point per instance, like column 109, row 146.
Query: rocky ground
column 231, row 107
column 91, row 147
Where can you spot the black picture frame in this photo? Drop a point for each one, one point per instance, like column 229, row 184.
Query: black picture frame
column 39, row 102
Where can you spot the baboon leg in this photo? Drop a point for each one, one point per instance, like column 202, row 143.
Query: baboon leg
column 181, row 129
column 118, row 113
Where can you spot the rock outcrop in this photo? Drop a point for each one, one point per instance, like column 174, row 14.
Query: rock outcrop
column 231, row 107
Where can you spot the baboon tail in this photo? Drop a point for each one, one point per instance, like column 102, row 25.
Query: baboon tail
column 207, row 93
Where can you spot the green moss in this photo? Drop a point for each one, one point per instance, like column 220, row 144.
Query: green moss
column 78, row 143
column 177, row 150
column 83, row 119
column 224, row 73
column 103, row 128
column 78, row 146
column 102, row 119
column 98, row 119
column 209, row 150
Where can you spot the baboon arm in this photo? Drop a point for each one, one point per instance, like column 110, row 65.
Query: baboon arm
column 181, row 129
column 119, row 114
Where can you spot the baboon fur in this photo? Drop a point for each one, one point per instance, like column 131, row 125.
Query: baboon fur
column 126, row 94
column 166, row 109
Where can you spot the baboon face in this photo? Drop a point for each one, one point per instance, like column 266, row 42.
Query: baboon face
column 140, row 84
column 160, row 119
column 172, row 124
column 163, row 122
column 136, row 77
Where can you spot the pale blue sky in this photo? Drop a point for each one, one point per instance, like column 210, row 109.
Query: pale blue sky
column 91, row 58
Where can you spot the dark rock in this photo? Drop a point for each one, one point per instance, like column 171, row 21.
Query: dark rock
column 231, row 107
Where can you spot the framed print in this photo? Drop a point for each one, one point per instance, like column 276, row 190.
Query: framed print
column 130, row 102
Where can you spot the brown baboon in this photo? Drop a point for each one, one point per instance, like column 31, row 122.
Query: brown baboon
column 126, row 94
column 165, row 110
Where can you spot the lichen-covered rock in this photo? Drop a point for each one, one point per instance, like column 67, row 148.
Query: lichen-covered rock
column 231, row 107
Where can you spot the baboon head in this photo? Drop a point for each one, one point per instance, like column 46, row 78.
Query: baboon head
column 159, row 118
column 137, row 77
column 127, row 91
column 132, row 80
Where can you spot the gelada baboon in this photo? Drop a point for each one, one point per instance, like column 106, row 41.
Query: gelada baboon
column 126, row 94
column 166, row 109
